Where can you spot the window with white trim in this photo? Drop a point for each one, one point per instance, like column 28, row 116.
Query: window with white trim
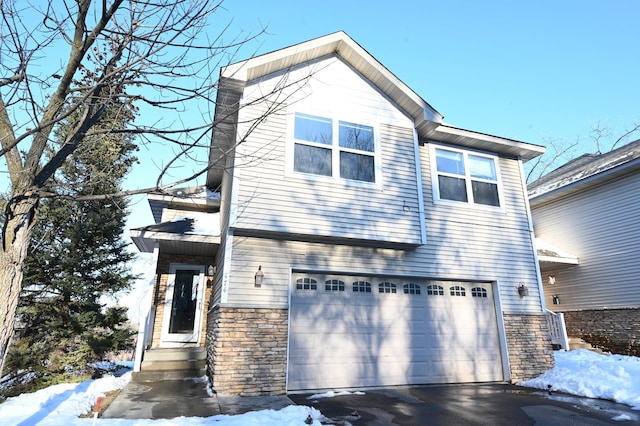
column 334, row 148
column 466, row 177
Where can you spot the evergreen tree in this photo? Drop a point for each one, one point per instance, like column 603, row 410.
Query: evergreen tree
column 77, row 255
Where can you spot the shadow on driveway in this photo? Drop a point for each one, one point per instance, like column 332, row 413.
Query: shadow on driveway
column 484, row 404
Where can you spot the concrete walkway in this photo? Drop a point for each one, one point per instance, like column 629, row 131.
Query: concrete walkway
column 169, row 399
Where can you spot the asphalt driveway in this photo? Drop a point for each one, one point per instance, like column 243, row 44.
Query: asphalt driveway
column 486, row 404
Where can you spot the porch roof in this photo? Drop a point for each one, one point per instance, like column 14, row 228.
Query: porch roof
column 550, row 254
column 197, row 233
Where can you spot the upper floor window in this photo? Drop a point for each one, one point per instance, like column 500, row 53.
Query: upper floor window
column 466, row 177
column 327, row 147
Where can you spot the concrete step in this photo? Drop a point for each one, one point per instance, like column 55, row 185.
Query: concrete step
column 175, row 354
column 173, row 365
column 159, row 376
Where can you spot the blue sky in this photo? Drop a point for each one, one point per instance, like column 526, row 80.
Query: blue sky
column 523, row 70
column 530, row 71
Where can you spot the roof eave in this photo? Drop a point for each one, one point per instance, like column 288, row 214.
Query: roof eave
column 562, row 191
column 439, row 132
column 341, row 44
column 145, row 240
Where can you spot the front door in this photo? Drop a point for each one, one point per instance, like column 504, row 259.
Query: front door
column 183, row 305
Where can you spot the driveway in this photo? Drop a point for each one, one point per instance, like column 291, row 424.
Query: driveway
column 486, row 404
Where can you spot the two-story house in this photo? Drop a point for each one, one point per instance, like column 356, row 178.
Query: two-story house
column 362, row 241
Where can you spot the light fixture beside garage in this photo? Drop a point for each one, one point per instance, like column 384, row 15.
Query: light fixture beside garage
column 523, row 290
column 259, row 277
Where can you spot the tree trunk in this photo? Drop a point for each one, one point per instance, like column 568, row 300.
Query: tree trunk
column 20, row 218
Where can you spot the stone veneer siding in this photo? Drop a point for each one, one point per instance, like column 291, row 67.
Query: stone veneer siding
column 612, row 330
column 529, row 346
column 247, row 350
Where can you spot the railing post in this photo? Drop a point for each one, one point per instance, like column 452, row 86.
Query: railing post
column 563, row 331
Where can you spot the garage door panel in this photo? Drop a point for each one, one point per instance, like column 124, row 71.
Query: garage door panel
column 348, row 339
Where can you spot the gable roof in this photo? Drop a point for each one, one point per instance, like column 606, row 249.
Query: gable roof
column 586, row 169
column 427, row 121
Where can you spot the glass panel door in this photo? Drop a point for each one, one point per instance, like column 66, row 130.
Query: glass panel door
column 183, row 304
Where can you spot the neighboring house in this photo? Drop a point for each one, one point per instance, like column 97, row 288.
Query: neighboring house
column 586, row 216
column 363, row 241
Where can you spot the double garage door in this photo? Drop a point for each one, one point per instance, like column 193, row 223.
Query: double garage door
column 349, row 332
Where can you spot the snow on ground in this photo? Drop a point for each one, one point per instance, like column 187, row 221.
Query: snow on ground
column 586, row 373
column 578, row 372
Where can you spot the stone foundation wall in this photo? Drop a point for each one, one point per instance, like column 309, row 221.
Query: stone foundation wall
column 529, row 346
column 247, row 351
column 612, row 330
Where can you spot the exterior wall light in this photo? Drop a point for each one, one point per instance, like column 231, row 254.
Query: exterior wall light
column 211, row 270
column 556, row 299
column 259, row 277
column 552, row 279
column 523, row 290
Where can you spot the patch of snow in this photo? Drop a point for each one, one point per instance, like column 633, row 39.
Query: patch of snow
column 203, row 223
column 587, row 373
column 332, row 394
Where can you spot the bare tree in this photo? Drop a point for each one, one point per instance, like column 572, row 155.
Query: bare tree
column 602, row 139
column 159, row 55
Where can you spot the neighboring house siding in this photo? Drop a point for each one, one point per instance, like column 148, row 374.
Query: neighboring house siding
column 273, row 199
column 600, row 227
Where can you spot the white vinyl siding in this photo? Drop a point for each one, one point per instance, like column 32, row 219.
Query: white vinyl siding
column 601, row 227
column 270, row 201
column 360, row 225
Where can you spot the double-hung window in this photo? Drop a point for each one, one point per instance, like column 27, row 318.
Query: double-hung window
column 334, row 148
column 466, row 177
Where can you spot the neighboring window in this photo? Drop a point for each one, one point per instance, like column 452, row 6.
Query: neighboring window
column 478, row 292
column 361, row 287
column 333, row 148
column 334, row 285
column 306, row 284
column 386, row 287
column 435, row 290
column 411, row 289
column 466, row 177
column 457, row 290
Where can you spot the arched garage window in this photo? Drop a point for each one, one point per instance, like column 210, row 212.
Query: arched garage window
column 411, row 289
column 386, row 287
column 334, row 285
column 306, row 284
column 478, row 292
column 457, row 290
column 361, row 287
column 435, row 290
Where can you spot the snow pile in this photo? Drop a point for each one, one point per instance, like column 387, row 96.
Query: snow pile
column 59, row 404
column 586, row 373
